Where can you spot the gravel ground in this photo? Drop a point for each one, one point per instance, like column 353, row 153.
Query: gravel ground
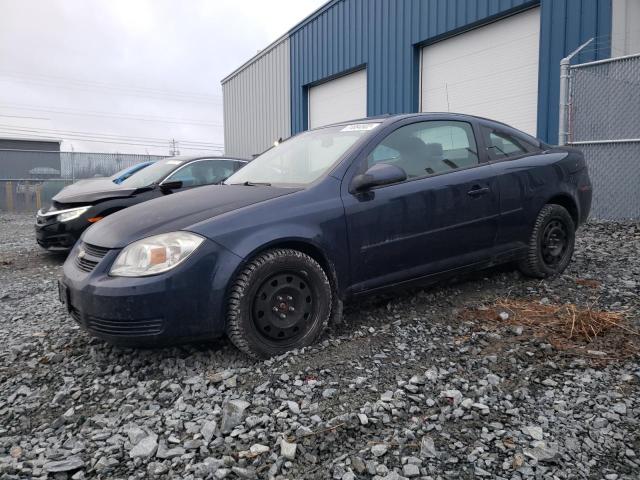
column 406, row 387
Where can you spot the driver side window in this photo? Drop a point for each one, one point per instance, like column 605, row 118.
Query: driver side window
column 428, row 148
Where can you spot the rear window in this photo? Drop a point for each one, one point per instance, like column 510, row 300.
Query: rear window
column 501, row 145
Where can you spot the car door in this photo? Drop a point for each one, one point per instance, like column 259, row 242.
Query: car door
column 520, row 174
column 442, row 217
column 202, row 172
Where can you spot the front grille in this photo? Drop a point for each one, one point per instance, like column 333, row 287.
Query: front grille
column 129, row 328
column 94, row 250
column 85, row 265
column 118, row 328
column 89, row 256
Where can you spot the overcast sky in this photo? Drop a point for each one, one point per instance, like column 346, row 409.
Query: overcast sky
column 129, row 71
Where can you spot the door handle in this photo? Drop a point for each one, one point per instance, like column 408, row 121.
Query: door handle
column 477, row 190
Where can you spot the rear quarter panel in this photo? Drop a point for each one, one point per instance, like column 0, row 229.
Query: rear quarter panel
column 528, row 183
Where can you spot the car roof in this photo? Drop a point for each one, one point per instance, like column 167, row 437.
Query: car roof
column 190, row 158
column 388, row 118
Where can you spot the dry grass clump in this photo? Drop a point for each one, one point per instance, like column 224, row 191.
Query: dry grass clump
column 566, row 327
column 587, row 282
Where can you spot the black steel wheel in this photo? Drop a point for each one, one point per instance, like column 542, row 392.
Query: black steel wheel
column 283, row 305
column 551, row 243
column 554, row 243
column 281, row 300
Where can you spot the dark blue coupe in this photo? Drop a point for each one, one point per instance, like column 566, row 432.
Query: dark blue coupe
column 332, row 213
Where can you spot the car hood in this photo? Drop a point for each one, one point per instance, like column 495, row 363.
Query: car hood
column 176, row 212
column 92, row 190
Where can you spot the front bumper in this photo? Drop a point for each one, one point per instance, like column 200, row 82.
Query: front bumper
column 183, row 304
column 54, row 235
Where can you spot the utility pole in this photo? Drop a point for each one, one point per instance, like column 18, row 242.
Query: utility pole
column 173, row 150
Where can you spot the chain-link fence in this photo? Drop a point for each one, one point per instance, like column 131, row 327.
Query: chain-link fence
column 604, row 122
column 29, row 179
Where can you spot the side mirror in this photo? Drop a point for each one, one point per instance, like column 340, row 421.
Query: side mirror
column 167, row 187
column 377, row 175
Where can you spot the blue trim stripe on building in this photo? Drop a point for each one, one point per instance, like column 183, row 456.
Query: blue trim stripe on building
column 386, row 36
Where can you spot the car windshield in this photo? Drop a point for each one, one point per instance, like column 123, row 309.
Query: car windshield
column 302, row 159
column 125, row 173
column 152, row 174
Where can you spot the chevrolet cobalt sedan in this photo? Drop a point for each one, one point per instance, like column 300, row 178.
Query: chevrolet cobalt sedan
column 345, row 210
column 88, row 201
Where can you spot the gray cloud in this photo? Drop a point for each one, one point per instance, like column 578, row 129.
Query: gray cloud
column 133, row 69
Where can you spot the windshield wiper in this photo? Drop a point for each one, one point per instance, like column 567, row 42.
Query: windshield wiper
column 252, row 184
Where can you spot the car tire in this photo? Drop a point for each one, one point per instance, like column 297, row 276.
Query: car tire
column 551, row 243
column 281, row 300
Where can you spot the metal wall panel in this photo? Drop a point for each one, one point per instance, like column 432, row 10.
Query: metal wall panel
column 386, row 36
column 565, row 25
column 625, row 37
column 257, row 102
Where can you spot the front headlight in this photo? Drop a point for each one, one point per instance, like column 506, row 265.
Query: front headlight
column 72, row 213
column 156, row 254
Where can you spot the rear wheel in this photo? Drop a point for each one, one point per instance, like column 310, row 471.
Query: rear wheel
column 551, row 243
column 280, row 301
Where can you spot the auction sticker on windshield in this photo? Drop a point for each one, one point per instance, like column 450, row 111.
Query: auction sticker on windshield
column 359, row 127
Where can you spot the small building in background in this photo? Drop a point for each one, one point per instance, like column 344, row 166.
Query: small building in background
column 22, row 158
column 29, row 172
column 356, row 58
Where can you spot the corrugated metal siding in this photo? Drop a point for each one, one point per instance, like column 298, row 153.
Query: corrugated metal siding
column 566, row 24
column 257, row 103
column 385, row 35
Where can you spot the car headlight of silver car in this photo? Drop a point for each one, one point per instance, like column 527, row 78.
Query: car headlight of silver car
column 156, row 254
column 72, row 213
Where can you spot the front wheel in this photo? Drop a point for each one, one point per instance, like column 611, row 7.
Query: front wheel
column 551, row 243
column 281, row 300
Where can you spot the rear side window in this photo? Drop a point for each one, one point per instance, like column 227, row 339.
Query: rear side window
column 428, row 148
column 501, row 145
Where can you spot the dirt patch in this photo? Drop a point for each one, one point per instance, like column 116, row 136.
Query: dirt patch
column 598, row 334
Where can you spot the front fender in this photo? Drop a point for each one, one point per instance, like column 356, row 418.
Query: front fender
column 272, row 236
column 306, row 238
column 312, row 218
